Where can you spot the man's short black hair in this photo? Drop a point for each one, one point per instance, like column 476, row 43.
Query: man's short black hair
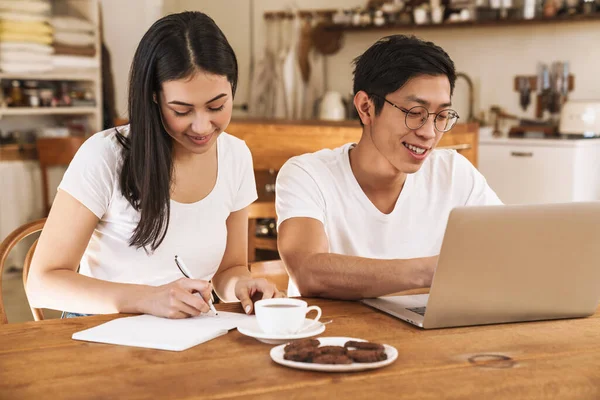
column 388, row 64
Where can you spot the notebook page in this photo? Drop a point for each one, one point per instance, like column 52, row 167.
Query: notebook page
column 162, row 333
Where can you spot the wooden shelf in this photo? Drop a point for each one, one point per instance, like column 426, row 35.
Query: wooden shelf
column 15, row 152
column 467, row 24
column 56, row 75
column 24, row 111
column 91, row 78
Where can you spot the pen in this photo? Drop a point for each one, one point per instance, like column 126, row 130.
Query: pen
column 186, row 272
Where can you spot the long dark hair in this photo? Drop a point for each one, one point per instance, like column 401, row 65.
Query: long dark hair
column 175, row 47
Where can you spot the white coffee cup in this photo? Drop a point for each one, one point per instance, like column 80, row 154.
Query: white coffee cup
column 284, row 316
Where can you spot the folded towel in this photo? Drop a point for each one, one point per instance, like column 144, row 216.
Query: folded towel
column 25, row 27
column 71, row 24
column 86, row 51
column 19, row 16
column 29, row 47
column 25, row 37
column 24, row 67
column 74, row 38
column 59, row 61
column 28, row 6
column 24, row 56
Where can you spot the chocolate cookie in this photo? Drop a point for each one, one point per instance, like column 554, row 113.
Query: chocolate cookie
column 334, row 350
column 367, row 356
column 298, row 344
column 305, row 354
column 353, row 344
column 332, row 359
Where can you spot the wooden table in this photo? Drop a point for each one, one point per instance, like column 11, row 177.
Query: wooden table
column 539, row 360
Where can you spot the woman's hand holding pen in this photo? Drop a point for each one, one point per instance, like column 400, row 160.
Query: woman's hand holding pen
column 248, row 288
column 177, row 299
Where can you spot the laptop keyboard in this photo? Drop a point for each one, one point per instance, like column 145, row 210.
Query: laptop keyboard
column 418, row 310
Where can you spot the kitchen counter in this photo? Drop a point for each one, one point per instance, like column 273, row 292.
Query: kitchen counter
column 534, row 171
column 555, row 142
column 273, row 141
column 349, row 123
column 15, row 152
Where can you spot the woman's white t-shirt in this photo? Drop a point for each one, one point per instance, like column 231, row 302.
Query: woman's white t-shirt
column 322, row 186
column 197, row 232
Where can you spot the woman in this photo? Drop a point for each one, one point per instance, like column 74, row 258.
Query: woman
column 170, row 183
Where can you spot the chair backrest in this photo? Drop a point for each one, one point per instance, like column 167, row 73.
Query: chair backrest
column 55, row 152
column 273, row 270
column 5, row 247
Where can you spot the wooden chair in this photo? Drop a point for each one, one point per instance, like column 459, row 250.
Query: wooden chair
column 5, row 247
column 54, row 152
column 272, row 270
column 260, row 210
column 121, row 121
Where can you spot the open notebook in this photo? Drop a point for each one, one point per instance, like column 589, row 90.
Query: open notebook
column 162, row 333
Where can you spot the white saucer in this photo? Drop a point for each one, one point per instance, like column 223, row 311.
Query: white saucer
column 277, row 356
column 252, row 329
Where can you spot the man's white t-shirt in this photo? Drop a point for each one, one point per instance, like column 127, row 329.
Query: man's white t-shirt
column 197, row 232
column 322, row 186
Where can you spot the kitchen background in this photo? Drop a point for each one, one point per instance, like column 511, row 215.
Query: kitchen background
column 77, row 83
column 491, row 56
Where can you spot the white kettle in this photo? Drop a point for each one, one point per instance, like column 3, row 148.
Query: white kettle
column 331, row 107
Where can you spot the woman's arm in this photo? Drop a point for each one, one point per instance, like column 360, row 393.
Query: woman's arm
column 233, row 282
column 54, row 283
column 234, row 265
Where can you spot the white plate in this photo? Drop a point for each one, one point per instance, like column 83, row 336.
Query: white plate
column 252, row 329
column 277, row 356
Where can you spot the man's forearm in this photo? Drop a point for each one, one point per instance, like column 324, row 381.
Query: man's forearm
column 349, row 278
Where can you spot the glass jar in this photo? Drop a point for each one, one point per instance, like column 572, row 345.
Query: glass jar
column 32, row 94
column 16, row 94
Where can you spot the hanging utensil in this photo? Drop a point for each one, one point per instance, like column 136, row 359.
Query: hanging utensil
column 304, row 46
column 326, row 41
column 524, row 92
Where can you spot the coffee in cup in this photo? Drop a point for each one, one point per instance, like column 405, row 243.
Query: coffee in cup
column 284, row 316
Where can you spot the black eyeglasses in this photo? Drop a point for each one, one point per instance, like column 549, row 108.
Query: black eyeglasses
column 417, row 116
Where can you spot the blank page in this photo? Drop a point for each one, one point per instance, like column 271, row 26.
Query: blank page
column 162, row 333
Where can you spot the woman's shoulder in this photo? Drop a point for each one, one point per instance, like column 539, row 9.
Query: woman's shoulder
column 234, row 146
column 233, row 142
column 106, row 144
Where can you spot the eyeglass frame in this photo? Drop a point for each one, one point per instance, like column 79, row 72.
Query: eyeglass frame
column 405, row 111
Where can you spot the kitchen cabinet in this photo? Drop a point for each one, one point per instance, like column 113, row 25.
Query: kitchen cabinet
column 535, row 171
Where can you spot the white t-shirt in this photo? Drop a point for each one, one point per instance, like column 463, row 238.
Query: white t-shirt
column 322, row 186
column 197, row 231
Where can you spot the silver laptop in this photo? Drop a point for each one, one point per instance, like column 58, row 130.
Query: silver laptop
column 512, row 263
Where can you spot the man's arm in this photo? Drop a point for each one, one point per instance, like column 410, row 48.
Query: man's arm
column 304, row 248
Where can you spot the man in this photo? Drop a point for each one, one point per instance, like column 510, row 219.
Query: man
column 368, row 219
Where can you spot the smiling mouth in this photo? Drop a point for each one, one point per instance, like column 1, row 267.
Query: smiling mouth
column 415, row 149
column 200, row 137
